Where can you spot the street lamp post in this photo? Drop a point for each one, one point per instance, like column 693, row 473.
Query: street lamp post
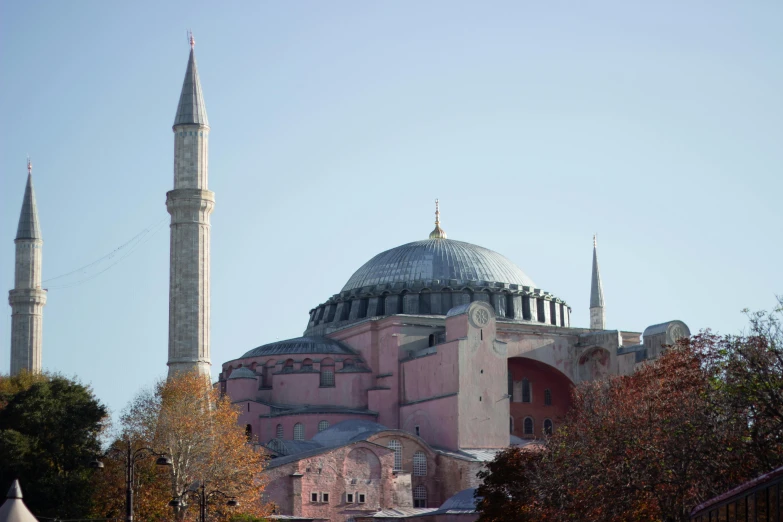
column 131, row 457
column 200, row 493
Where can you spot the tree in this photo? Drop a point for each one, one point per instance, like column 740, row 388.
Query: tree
column 648, row 446
column 49, row 429
column 506, row 492
column 197, row 428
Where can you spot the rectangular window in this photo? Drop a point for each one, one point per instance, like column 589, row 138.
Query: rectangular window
column 324, row 497
column 327, row 377
column 313, row 497
column 349, row 498
column 361, row 498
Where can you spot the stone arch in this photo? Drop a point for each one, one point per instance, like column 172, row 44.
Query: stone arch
column 421, row 419
column 361, row 464
column 594, row 364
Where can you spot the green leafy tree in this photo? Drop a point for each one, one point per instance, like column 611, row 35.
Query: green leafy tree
column 49, row 429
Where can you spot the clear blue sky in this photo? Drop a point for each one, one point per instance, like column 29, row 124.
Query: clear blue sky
column 335, row 125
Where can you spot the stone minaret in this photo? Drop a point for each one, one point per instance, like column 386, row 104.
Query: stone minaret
column 27, row 299
column 597, row 312
column 190, row 204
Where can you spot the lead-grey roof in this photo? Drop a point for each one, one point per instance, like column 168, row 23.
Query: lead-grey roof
column 191, row 109
column 347, row 431
column 28, row 220
column 242, row 373
column 301, row 345
column 437, row 259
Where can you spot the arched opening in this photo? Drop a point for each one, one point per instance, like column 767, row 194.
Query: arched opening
column 396, row 447
column 381, row 309
column 548, row 427
column 288, row 367
column 425, row 302
column 348, row 363
column 526, row 391
column 362, row 303
column 420, row 496
column 401, row 302
column 551, row 398
column 446, row 301
column 307, row 365
column 528, row 426
column 419, row 464
column 298, row 431
column 327, row 372
column 279, row 432
column 323, row 425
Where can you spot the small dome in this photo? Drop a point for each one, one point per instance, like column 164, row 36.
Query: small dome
column 301, row 345
column 348, row 431
column 242, row 373
column 437, row 259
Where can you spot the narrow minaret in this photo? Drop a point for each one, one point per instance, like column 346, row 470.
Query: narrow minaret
column 438, row 233
column 190, row 204
column 27, row 299
column 597, row 312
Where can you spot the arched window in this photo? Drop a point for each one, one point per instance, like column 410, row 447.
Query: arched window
column 396, row 447
column 528, row 426
column 525, row 390
column 348, row 363
column 419, row 464
column 548, row 427
column 307, row 365
column 279, row 432
column 323, row 425
column 298, row 431
column 288, row 367
column 327, row 372
column 547, row 398
column 420, row 496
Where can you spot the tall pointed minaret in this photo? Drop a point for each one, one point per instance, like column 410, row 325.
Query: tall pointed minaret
column 27, row 299
column 190, row 204
column 597, row 312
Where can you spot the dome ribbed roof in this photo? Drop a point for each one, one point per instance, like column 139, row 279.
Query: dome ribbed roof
column 301, row 345
column 440, row 259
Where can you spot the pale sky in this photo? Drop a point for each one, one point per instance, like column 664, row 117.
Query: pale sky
column 334, row 126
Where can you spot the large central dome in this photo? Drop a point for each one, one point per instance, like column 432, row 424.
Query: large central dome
column 437, row 259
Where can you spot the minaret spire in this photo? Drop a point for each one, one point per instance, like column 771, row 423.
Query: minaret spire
column 190, row 205
column 438, row 233
column 27, row 299
column 597, row 312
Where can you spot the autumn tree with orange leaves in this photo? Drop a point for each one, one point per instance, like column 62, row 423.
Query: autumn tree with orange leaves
column 197, row 428
column 648, row 446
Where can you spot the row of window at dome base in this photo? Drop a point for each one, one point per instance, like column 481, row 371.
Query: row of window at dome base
column 264, row 372
column 298, row 430
column 509, row 301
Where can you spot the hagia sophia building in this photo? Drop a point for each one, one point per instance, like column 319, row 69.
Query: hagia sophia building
column 432, row 357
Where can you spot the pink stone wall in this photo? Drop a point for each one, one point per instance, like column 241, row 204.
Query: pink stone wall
column 359, row 468
column 431, row 375
column 437, row 421
column 268, row 426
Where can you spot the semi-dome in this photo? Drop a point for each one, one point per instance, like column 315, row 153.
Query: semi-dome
column 311, row 344
column 437, row 260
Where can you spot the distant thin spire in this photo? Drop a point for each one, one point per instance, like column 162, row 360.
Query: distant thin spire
column 28, row 219
column 597, row 314
column 438, row 233
column 191, row 109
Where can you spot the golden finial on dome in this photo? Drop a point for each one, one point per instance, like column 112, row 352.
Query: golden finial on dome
column 438, row 233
